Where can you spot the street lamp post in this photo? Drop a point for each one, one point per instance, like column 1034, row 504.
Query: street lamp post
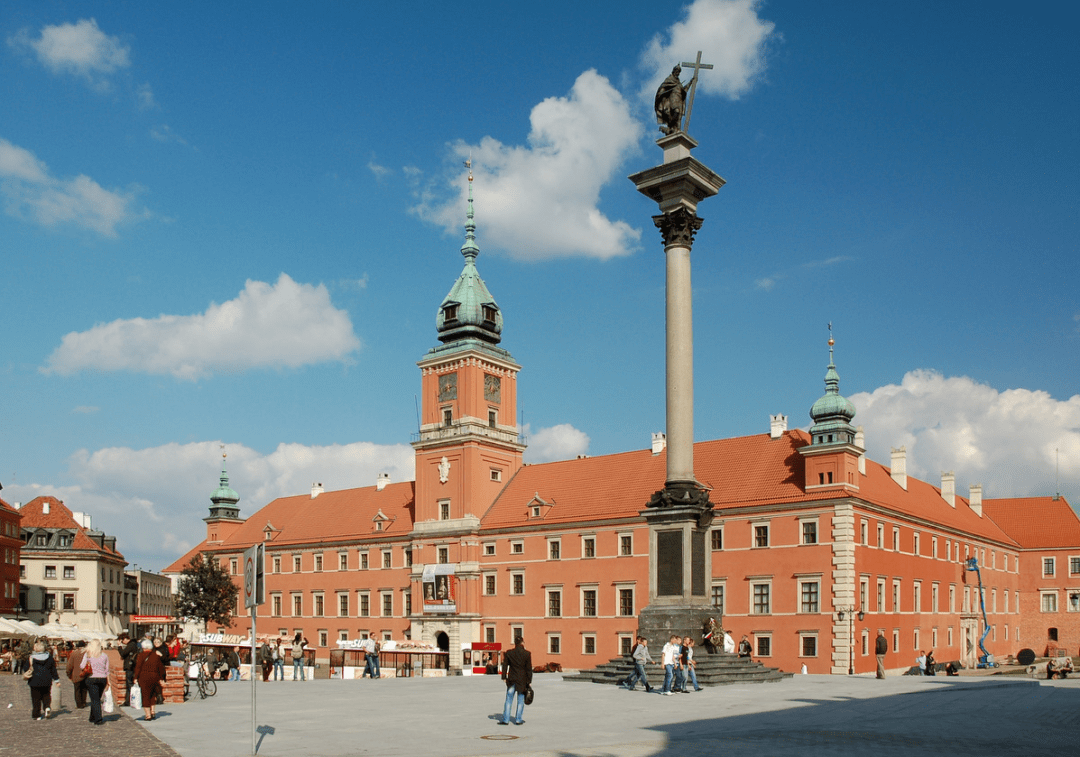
column 851, row 613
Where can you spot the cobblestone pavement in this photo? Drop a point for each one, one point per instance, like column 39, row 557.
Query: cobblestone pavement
column 806, row 716
column 68, row 733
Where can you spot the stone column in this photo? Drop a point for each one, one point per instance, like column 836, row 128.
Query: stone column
column 679, row 515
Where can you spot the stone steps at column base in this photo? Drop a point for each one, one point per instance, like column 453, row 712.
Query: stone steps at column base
column 712, row 670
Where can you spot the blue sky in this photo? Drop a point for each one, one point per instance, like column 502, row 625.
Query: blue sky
column 233, row 223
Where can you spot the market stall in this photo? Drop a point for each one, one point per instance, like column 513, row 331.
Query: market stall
column 397, row 659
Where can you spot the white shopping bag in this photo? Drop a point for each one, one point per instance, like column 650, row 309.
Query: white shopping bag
column 136, row 697
column 107, row 703
column 57, row 697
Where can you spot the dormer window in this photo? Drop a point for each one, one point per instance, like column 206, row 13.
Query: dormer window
column 450, row 312
column 490, row 313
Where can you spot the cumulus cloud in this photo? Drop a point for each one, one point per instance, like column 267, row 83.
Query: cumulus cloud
column 81, row 49
column 1005, row 440
column 540, row 200
column 30, row 192
column 285, row 324
column 561, row 442
column 730, row 36
column 153, row 499
column 379, row 171
column 768, row 282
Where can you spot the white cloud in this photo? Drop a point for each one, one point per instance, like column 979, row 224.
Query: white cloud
column 379, row 171
column 85, row 409
column 30, row 192
column 1004, row 440
column 280, row 325
column 561, row 442
column 153, row 499
column 730, row 36
column 164, row 133
column 80, row 48
column 540, row 201
column 145, row 96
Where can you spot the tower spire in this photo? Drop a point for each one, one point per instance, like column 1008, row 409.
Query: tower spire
column 470, row 250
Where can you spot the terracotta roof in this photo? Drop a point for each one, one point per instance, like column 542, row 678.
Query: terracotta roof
column 744, row 471
column 182, row 562
column 340, row 515
column 1036, row 522
column 60, row 517
column 5, row 506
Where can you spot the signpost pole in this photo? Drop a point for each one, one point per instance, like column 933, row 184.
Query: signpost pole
column 254, row 595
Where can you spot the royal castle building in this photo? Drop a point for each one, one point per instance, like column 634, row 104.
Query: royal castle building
column 813, row 548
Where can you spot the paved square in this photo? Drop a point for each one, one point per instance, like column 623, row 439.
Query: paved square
column 806, row 715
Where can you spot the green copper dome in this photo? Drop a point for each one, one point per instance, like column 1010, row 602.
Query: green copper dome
column 469, row 311
column 832, row 413
column 224, row 495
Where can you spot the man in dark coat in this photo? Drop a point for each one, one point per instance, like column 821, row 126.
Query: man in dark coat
column 881, row 647
column 129, row 650
column 517, row 670
column 77, row 676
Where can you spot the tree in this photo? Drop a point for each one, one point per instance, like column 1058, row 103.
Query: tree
column 206, row 592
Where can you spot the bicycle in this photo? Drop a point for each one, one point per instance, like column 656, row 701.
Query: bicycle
column 204, row 684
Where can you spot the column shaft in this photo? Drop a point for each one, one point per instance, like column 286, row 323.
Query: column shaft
column 680, row 366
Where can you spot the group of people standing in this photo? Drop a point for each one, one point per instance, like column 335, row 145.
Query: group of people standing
column 677, row 658
column 272, row 658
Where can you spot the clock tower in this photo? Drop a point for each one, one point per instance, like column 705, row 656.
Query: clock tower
column 467, row 448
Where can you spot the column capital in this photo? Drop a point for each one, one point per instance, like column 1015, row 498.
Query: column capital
column 678, row 227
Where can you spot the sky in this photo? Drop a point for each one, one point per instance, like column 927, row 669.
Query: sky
column 233, row 223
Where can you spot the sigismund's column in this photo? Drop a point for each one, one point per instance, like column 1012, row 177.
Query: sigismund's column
column 679, row 515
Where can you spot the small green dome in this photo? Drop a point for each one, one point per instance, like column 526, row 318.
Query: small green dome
column 469, row 310
column 832, row 413
column 224, row 494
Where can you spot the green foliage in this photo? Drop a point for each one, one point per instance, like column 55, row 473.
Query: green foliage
column 206, row 592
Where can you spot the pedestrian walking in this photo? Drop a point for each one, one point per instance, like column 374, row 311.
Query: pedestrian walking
column 74, row 670
column 641, row 657
column 129, row 650
column 517, row 671
column 40, row 676
column 668, row 660
column 149, row 672
column 266, row 658
column 691, row 666
column 233, row 658
column 98, row 678
column 880, row 648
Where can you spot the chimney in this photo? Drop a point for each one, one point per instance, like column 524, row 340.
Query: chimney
column 777, row 426
column 83, row 519
column 382, row 481
column 45, row 507
column 948, row 488
column 17, row 505
column 975, row 498
column 899, row 467
column 316, row 490
column 659, row 442
column 860, row 442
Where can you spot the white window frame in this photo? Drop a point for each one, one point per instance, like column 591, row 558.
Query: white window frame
column 382, row 603
column 817, row 531
column 803, row 582
column 557, row 638
column 343, row 595
column 489, row 548
column 627, row 535
column 716, row 530
column 517, row 547
column 513, row 574
column 494, row 576
column 587, row 538
column 1052, row 562
column 1048, row 594
column 757, row 648
column 1071, row 594
column 548, row 591
column 595, row 588
column 557, row 541
column 619, row 589
column 754, row 535
column 760, row 582
column 817, row 647
column 584, row 650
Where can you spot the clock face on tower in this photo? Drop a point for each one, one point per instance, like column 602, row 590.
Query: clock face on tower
column 492, row 388
column 448, row 387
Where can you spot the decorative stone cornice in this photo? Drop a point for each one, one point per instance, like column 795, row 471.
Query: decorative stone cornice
column 678, row 227
column 680, row 499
